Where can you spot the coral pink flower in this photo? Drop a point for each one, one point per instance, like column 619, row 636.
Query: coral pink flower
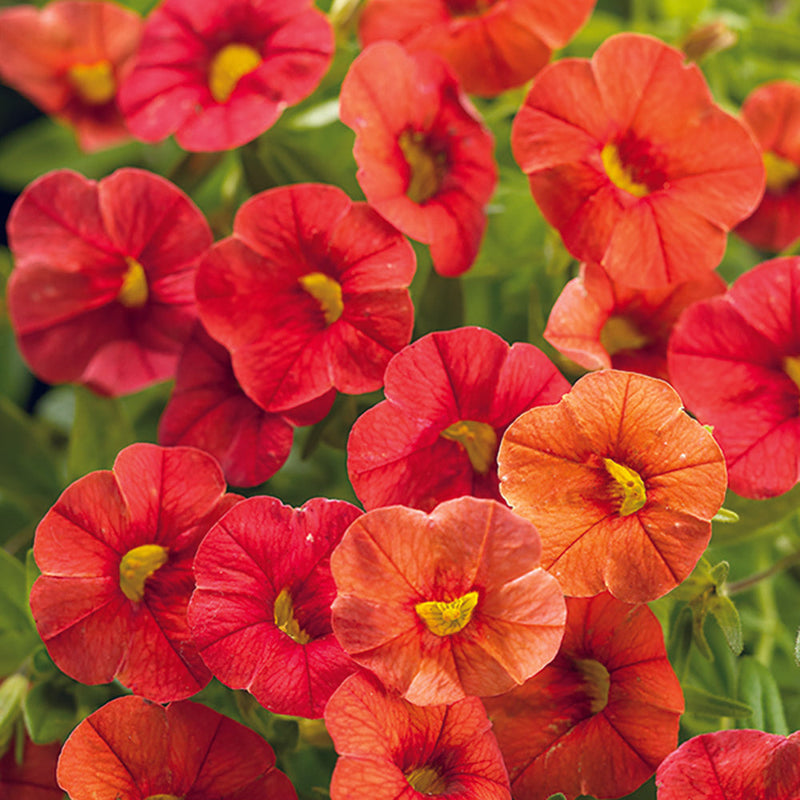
column 492, row 45
column 424, row 158
column 219, row 74
column 448, row 604
column 601, row 324
column 735, row 360
column 390, row 749
column 103, row 287
column 308, row 294
column 773, row 114
column 260, row 614
column 69, row 59
column 732, row 765
column 621, row 483
column 35, row 777
column 449, row 397
column 116, row 554
column 600, row 718
column 629, row 158
column 137, row 750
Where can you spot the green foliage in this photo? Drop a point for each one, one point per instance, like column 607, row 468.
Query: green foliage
column 18, row 637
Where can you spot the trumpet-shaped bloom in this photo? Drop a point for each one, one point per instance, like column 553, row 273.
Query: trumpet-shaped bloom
column 116, row 553
column 735, row 360
column 621, row 483
column 219, row 74
column 449, row 398
column 102, row 292
column 137, row 750
column 732, row 765
column 773, row 114
column 390, row 749
column 307, row 295
column 445, row 605
column 35, row 777
column 491, row 46
column 599, row 323
column 260, row 614
column 69, row 59
column 424, row 157
column 629, row 158
column 602, row 716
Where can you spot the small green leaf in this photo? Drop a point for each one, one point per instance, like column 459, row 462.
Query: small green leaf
column 725, row 515
column 12, row 694
column 680, row 641
column 699, row 701
column 724, row 612
column 50, row 713
column 758, row 689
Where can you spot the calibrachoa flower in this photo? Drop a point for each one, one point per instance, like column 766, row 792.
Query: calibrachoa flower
column 735, row 359
column 35, row 777
column 599, row 323
column 773, row 114
column 219, row 74
column 629, row 158
column 308, row 294
column 492, row 45
column 732, row 765
column 103, row 287
column 137, row 750
column 116, row 554
column 621, row 483
column 424, row 157
column 260, row 614
column 446, row 604
column 69, row 58
column 449, row 397
column 600, row 718
column 390, row 749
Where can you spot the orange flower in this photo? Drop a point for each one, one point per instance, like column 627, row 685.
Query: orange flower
column 620, row 482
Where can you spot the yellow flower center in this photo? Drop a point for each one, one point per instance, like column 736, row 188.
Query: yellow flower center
column 445, row 618
column 327, row 292
column 95, row 83
column 426, row 780
column 164, row 797
column 781, row 173
column 627, row 488
column 286, row 620
column 791, row 366
column 133, row 292
column 426, row 168
column 597, row 682
column 620, row 333
column 619, row 174
column 229, row 65
column 478, row 439
column 137, row 566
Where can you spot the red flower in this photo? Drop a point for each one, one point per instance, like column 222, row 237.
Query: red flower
column 260, row 614
column 219, row 74
column 102, row 293
column 138, row 750
column 308, row 294
column 629, row 158
column 450, row 396
column 735, row 360
column 425, row 159
column 69, row 58
column 621, row 483
column 116, row 554
column 390, row 749
column 601, row 324
column 732, row 765
column 492, row 45
column 35, row 777
column 600, row 718
column 773, row 114
column 445, row 605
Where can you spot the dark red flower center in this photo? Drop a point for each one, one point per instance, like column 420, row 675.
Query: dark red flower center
column 95, row 82
column 137, row 565
column 622, row 333
column 633, row 165
column 228, row 66
column 427, row 780
column 625, row 487
column 469, row 8
column 477, row 439
column 427, row 165
column 781, row 173
column 596, row 682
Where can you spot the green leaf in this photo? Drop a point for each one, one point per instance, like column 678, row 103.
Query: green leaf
column 50, row 711
column 558, row 796
column 758, row 689
column 725, row 515
column 12, row 693
column 18, row 636
column 724, row 612
column 699, row 701
column 797, row 649
column 680, row 641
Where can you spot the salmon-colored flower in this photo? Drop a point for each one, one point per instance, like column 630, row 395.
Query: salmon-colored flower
column 633, row 163
column 773, row 113
column 492, row 45
column 116, row 553
column 620, row 482
column 599, row 323
column 102, row 292
column 69, row 59
column 600, row 718
column 137, row 750
column 219, row 74
column 449, row 397
column 446, row 605
column 390, row 749
column 424, row 158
